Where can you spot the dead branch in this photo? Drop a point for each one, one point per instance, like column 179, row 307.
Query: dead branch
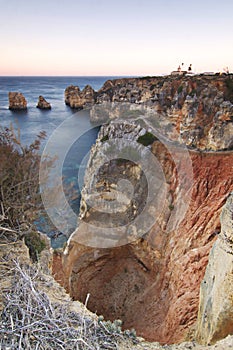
column 31, row 321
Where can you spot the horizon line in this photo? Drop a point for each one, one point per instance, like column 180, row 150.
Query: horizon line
column 86, row 76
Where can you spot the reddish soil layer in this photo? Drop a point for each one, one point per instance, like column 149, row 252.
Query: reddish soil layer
column 153, row 285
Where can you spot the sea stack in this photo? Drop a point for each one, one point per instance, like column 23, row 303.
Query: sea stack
column 75, row 98
column 17, row 101
column 43, row 104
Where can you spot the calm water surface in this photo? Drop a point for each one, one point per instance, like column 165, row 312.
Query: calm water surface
column 34, row 120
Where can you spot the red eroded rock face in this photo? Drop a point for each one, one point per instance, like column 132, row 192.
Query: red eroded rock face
column 187, row 247
column 153, row 284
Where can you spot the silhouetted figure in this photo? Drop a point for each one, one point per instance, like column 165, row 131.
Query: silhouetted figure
column 190, row 67
column 179, row 69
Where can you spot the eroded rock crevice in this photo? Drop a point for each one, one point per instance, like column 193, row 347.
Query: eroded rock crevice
column 153, row 283
column 117, row 281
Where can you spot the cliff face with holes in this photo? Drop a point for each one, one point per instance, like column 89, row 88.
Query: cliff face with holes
column 148, row 272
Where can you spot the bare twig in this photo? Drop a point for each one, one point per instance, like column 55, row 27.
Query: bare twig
column 7, row 229
column 31, row 321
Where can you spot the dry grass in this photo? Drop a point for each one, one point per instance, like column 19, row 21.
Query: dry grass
column 30, row 320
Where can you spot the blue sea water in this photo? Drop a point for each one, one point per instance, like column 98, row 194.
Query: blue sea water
column 33, row 121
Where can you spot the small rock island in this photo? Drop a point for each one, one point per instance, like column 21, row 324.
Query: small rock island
column 43, row 104
column 17, row 101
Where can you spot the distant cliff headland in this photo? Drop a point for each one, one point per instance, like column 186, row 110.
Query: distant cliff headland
column 199, row 108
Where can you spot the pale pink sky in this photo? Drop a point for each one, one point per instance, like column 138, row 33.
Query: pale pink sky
column 104, row 37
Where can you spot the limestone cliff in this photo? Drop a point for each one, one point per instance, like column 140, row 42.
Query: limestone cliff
column 147, row 273
column 215, row 317
column 198, row 108
column 75, row 98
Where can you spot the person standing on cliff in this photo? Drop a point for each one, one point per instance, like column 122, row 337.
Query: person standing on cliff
column 190, row 67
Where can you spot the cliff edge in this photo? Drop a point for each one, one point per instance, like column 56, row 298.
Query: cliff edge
column 196, row 108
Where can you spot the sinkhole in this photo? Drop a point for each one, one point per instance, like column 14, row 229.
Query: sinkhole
column 120, row 283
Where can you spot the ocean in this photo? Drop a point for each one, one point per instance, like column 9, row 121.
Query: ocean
column 33, row 121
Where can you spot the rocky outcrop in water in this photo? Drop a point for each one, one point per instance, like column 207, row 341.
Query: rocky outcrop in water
column 215, row 317
column 17, row 101
column 75, row 98
column 43, row 104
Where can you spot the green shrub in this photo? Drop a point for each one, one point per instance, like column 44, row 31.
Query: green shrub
column 171, row 206
column 105, row 138
column 35, row 244
column 193, row 92
column 229, row 89
column 180, row 89
column 147, row 139
column 229, row 84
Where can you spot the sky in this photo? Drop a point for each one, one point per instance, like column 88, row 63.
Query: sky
column 109, row 37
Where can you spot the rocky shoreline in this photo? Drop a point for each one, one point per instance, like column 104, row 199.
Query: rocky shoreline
column 168, row 274
column 197, row 107
column 194, row 110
